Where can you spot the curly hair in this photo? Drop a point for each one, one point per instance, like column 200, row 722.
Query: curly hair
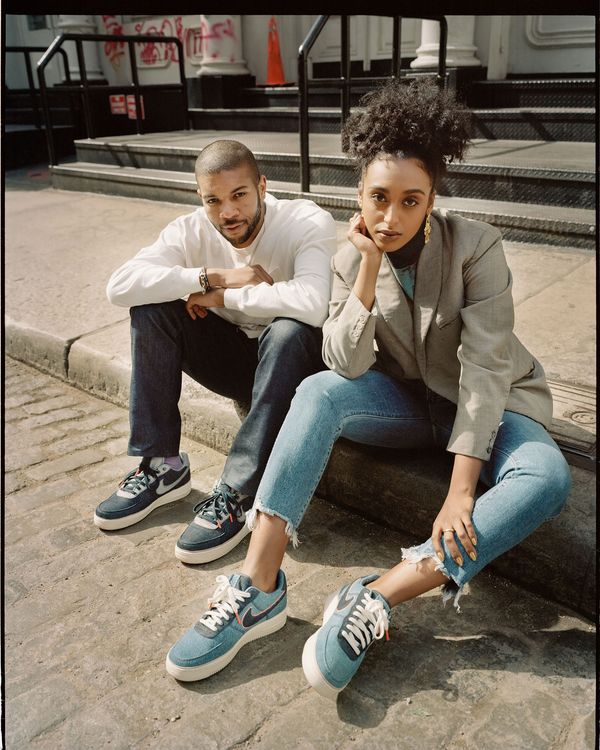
column 417, row 120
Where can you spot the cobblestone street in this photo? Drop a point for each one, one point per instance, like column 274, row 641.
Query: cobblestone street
column 89, row 617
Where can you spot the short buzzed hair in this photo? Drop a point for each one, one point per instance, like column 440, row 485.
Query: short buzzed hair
column 222, row 155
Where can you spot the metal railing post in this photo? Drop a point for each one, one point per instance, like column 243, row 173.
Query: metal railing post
column 303, row 51
column 47, row 117
column 32, row 94
column 397, row 48
column 345, row 65
column 83, row 84
column 442, row 52
column 136, row 87
column 186, row 119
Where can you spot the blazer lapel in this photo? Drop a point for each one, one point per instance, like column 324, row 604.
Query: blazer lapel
column 428, row 287
column 393, row 306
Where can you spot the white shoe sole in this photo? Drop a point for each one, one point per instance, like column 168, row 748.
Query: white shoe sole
column 191, row 674
column 112, row 524
column 310, row 665
column 194, row 557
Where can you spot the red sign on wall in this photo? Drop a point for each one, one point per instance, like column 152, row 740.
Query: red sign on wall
column 131, row 107
column 117, row 104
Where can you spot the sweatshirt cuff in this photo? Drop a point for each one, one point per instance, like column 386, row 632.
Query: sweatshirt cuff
column 191, row 278
column 232, row 298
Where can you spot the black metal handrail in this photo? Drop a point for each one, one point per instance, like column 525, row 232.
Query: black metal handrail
column 344, row 81
column 26, row 52
column 83, row 86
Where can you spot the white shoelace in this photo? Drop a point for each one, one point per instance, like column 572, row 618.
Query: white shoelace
column 223, row 603
column 369, row 621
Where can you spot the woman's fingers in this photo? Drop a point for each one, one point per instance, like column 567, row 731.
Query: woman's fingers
column 465, row 537
column 436, row 536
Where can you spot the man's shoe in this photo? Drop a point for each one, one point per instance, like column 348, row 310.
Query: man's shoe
column 353, row 619
column 238, row 613
column 220, row 525
column 144, row 489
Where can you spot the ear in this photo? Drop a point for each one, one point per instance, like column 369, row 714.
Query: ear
column 262, row 186
column 199, row 192
column 359, row 194
column 431, row 201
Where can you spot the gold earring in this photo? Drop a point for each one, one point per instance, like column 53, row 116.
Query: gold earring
column 427, row 229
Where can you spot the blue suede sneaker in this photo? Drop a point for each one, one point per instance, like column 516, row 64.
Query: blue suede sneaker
column 237, row 613
column 219, row 526
column 354, row 617
column 152, row 484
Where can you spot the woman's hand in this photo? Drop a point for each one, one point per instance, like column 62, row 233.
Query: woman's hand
column 454, row 520
column 359, row 237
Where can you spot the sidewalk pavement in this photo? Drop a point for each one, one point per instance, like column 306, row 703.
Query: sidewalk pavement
column 90, row 615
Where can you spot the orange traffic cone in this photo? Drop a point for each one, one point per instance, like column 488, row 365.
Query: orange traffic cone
column 275, row 76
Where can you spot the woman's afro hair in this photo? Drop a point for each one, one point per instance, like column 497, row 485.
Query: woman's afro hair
column 410, row 120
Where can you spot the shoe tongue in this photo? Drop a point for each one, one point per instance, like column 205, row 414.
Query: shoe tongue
column 156, row 462
column 240, row 581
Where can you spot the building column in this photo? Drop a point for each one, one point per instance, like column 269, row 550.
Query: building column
column 81, row 25
column 221, row 43
column 461, row 51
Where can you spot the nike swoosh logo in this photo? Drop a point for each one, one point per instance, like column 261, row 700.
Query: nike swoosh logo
column 162, row 487
column 250, row 618
column 344, row 601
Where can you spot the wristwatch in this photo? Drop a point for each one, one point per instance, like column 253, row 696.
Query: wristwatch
column 203, row 279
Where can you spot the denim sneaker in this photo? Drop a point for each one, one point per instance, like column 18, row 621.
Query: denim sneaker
column 354, row 617
column 237, row 613
column 144, row 489
column 220, row 525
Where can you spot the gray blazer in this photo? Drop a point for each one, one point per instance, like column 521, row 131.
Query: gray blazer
column 458, row 338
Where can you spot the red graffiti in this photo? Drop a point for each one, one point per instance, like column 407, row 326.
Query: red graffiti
column 154, row 53
column 196, row 40
column 113, row 50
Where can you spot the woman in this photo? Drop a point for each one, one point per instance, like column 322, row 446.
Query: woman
column 421, row 352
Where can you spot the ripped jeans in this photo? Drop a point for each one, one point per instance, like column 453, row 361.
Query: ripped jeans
column 527, row 475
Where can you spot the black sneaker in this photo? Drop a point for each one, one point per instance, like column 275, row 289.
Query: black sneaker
column 152, row 484
column 219, row 526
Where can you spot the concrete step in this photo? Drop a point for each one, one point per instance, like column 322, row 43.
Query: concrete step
column 521, row 171
column 533, row 92
column 553, row 225
column 543, row 123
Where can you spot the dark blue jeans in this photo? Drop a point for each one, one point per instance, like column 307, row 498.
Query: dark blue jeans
column 263, row 373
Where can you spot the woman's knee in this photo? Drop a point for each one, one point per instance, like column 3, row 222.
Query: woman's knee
column 548, row 475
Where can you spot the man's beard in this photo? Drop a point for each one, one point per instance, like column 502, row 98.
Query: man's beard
column 251, row 227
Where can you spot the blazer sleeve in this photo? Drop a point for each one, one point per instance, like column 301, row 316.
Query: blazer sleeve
column 348, row 332
column 484, row 350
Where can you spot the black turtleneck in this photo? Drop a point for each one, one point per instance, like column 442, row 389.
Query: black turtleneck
column 409, row 254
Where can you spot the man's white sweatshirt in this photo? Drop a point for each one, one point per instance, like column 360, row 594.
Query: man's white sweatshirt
column 295, row 246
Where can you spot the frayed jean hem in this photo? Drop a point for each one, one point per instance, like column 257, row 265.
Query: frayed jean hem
column 290, row 531
column 452, row 590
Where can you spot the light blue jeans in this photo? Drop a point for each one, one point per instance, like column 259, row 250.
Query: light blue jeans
column 527, row 475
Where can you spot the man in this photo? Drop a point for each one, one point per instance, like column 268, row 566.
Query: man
column 257, row 272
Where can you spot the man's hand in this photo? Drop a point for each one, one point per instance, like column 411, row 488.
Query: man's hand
column 197, row 303
column 234, row 278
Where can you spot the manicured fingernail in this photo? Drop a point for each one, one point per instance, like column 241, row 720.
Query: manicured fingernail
column 440, row 556
column 473, row 556
column 459, row 561
column 474, row 541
